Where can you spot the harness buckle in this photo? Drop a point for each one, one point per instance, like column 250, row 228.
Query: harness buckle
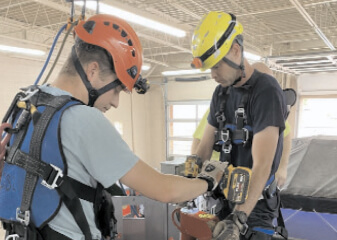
column 23, row 217
column 227, row 148
column 224, row 134
column 59, row 174
column 244, row 229
column 12, row 237
column 240, row 112
column 30, row 92
column 221, row 118
column 245, row 130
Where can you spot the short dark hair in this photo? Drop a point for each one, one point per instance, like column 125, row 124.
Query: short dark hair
column 88, row 53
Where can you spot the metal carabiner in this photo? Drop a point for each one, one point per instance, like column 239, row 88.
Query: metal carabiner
column 29, row 93
column 12, row 237
column 5, row 139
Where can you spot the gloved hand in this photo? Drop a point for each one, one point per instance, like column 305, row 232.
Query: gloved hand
column 231, row 227
column 212, row 172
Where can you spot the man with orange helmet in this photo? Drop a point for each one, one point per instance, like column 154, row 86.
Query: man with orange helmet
column 245, row 124
column 64, row 152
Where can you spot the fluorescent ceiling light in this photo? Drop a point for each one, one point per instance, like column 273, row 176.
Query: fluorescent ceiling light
column 251, row 56
column 146, row 67
column 19, row 50
column 306, row 62
column 184, row 72
column 131, row 17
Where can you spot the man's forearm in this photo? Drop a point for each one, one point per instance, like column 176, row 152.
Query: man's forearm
column 263, row 151
column 205, row 147
column 257, row 184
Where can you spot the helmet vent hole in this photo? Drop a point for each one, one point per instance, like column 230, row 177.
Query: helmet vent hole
column 115, row 26
column 130, row 42
column 106, row 23
column 123, row 33
column 133, row 53
column 89, row 26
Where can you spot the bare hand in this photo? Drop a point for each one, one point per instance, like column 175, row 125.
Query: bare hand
column 281, row 177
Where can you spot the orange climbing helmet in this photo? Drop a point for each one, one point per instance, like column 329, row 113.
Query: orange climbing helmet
column 118, row 38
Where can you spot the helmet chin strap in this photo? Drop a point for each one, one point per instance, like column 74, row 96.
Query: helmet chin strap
column 93, row 93
column 236, row 66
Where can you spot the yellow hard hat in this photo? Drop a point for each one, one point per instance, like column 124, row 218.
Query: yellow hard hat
column 213, row 38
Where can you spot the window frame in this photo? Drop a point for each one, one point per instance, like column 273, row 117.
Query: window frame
column 196, row 120
column 300, row 117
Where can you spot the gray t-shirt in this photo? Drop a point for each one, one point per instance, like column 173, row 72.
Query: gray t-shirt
column 95, row 152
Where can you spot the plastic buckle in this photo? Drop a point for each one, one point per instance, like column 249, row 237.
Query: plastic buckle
column 221, row 118
column 240, row 113
column 224, row 134
column 12, row 237
column 227, row 148
column 58, row 175
column 244, row 229
column 23, row 217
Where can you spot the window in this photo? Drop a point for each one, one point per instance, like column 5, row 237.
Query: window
column 318, row 116
column 182, row 120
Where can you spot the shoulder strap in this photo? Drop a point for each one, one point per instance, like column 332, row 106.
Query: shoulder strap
column 220, row 115
column 240, row 114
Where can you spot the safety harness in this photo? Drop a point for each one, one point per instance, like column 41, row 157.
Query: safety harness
column 34, row 180
column 238, row 133
column 241, row 133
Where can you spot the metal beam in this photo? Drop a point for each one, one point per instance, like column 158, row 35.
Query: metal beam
column 164, row 53
column 185, row 10
column 57, row 6
column 156, row 62
column 15, row 4
column 304, row 56
column 312, row 23
column 298, row 68
column 157, row 40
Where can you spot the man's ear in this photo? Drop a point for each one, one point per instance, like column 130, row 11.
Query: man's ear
column 236, row 50
column 91, row 70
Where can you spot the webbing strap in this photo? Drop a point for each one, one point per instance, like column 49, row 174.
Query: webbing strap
column 93, row 94
column 281, row 227
column 35, row 150
column 240, row 112
column 74, row 205
column 220, row 115
column 49, row 175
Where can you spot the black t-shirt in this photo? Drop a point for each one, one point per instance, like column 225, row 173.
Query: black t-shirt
column 265, row 107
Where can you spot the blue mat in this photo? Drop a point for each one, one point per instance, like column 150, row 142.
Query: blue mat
column 310, row 225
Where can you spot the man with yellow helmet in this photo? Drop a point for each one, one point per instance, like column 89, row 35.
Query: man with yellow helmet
column 245, row 124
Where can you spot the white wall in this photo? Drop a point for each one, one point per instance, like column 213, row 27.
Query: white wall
column 17, row 73
column 201, row 90
column 317, row 83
